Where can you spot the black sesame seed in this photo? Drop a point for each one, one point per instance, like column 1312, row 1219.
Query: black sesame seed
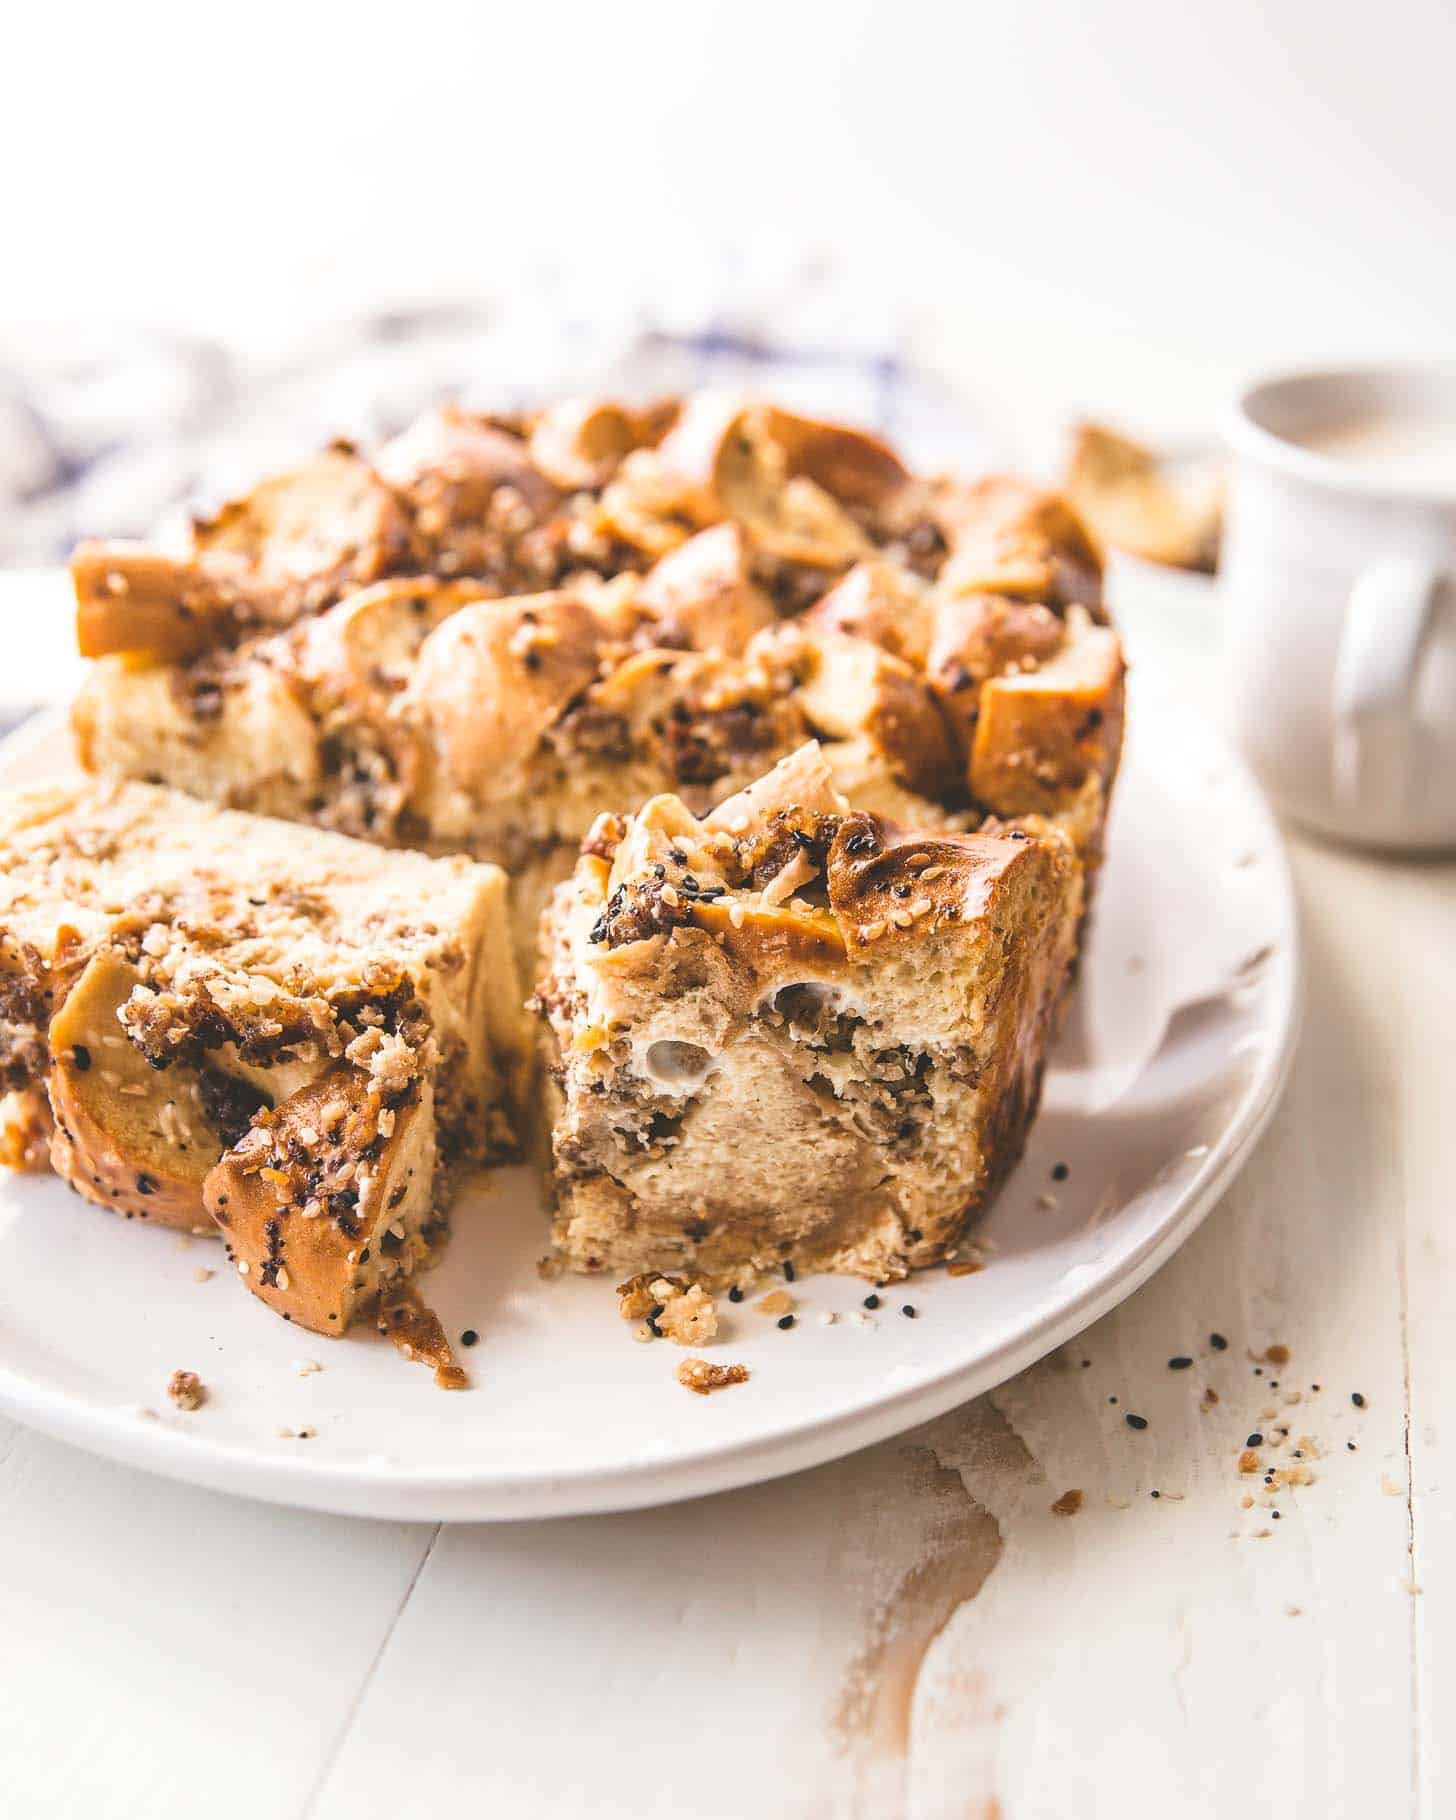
column 145, row 1184
column 908, row 1310
column 1314, row 1386
column 788, row 1270
column 659, row 871
column 1155, row 1494
column 1060, row 1172
column 364, row 1255
column 735, row 1294
column 1179, row 1364
column 1357, row 1399
column 81, row 1056
column 1086, row 1363
column 1218, row 1342
column 598, row 931
column 1258, row 1371
column 786, row 1321
column 469, row 1337
column 1273, row 1383
column 1350, row 1446
column 872, row 1301
column 1275, row 1514
column 1255, row 1440
column 653, row 1328
column 1112, row 1399
column 678, row 857
column 1135, row 1421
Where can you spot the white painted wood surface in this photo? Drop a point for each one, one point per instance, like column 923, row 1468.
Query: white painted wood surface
column 910, row 1632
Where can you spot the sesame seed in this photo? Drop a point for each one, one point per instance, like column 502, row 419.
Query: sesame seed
column 872, row 1301
column 1357, row 1399
column 1133, row 1421
column 1255, row 1440
column 470, row 1337
column 735, row 1294
column 1181, row 1363
column 788, row 1270
column 1060, row 1172
column 785, row 1321
column 827, row 1317
column 669, row 896
column 1218, row 1342
column 242, row 1267
column 908, row 1310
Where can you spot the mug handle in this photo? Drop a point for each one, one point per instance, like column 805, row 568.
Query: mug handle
column 1388, row 619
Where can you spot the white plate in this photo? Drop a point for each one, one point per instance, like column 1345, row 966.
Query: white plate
column 1171, row 1061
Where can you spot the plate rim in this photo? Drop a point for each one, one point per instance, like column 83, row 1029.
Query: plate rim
column 391, row 1492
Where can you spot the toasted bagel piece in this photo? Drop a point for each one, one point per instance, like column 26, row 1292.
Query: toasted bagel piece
column 309, row 535
column 581, row 442
column 492, row 678
column 1134, row 501
column 316, row 1252
column 153, row 606
column 849, row 688
column 1009, row 537
column 450, row 466
column 126, row 1136
column 977, row 636
column 1048, row 740
column 884, row 603
column 723, row 459
column 852, row 464
column 703, row 594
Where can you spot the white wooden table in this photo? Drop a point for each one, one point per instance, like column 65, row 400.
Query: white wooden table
column 913, row 1631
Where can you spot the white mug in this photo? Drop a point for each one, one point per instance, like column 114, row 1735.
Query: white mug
column 1338, row 586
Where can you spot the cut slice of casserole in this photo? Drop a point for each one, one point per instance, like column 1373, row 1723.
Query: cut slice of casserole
column 792, row 1032
column 224, row 1018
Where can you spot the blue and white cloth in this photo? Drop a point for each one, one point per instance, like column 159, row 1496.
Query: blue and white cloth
column 110, row 438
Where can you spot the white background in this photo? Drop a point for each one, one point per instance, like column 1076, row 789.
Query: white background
column 1118, row 206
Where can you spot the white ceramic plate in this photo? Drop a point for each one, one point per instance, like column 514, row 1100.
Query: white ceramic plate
column 1171, row 1061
